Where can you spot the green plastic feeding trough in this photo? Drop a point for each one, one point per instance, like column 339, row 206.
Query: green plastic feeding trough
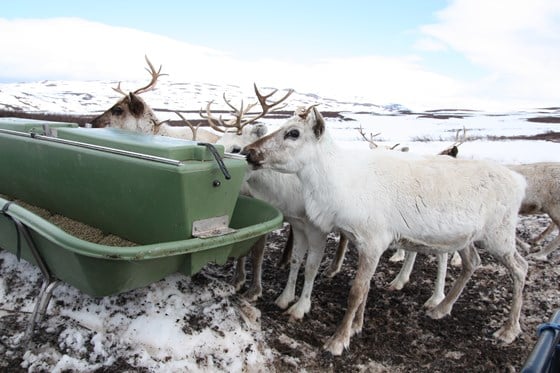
column 100, row 270
column 177, row 201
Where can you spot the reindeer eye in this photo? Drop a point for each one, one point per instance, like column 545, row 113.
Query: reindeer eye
column 294, row 134
column 117, row 110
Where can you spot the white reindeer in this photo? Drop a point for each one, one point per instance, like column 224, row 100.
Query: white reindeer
column 283, row 191
column 379, row 197
column 409, row 257
column 542, row 197
column 132, row 113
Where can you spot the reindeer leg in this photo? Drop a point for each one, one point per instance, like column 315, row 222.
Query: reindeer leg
column 522, row 244
column 544, row 233
column 398, row 256
column 439, row 287
column 517, row 267
column 300, row 248
column 471, row 261
column 336, row 264
column 284, row 261
column 456, row 259
column 257, row 254
column 368, row 260
column 316, row 241
column 543, row 253
column 240, row 275
column 404, row 274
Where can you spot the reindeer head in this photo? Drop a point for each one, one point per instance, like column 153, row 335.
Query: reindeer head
column 234, row 142
column 288, row 148
column 131, row 112
column 373, row 144
column 453, row 150
column 242, row 129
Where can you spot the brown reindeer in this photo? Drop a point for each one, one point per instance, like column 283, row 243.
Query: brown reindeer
column 132, row 113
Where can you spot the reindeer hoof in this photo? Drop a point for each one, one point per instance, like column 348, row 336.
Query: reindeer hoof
column 331, row 272
column 298, row 310
column 456, row 260
column 397, row 257
column 507, row 335
column 434, row 301
column 438, row 312
column 538, row 256
column 395, row 285
column 334, row 346
column 238, row 286
column 252, row 294
column 283, row 301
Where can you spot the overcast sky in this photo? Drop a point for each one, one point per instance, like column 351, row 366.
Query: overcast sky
column 423, row 54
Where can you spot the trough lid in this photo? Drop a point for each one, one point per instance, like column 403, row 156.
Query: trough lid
column 28, row 125
column 160, row 146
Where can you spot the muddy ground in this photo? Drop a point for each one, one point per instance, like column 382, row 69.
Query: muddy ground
column 398, row 336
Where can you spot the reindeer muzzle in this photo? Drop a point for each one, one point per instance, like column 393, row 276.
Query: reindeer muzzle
column 253, row 157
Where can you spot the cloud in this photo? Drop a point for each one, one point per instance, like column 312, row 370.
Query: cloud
column 76, row 49
column 429, row 44
column 515, row 41
column 73, row 48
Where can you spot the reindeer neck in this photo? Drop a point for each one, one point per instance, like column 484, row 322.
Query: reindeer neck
column 320, row 160
column 318, row 177
column 148, row 124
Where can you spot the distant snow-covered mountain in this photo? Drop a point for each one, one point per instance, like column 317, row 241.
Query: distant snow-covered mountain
column 92, row 97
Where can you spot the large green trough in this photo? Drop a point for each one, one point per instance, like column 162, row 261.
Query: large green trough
column 101, row 270
column 175, row 199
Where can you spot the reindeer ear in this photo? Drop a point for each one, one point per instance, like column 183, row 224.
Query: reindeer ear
column 319, row 126
column 259, row 130
column 136, row 105
column 454, row 151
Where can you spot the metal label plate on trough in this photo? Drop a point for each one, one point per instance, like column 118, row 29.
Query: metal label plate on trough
column 211, row 227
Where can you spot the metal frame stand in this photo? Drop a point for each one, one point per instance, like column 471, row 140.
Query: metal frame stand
column 49, row 281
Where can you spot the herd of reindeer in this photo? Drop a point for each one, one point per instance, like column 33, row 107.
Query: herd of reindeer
column 376, row 199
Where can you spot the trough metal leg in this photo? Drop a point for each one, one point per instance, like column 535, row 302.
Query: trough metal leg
column 49, row 282
column 40, row 308
column 47, row 288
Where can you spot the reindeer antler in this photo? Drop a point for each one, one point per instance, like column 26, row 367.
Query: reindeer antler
column 463, row 138
column 240, row 115
column 193, row 128
column 155, row 75
column 151, row 85
column 372, row 143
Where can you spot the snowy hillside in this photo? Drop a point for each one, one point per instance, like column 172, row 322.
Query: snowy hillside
column 423, row 132
column 97, row 96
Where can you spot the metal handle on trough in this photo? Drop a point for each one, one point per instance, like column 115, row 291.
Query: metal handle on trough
column 218, row 158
